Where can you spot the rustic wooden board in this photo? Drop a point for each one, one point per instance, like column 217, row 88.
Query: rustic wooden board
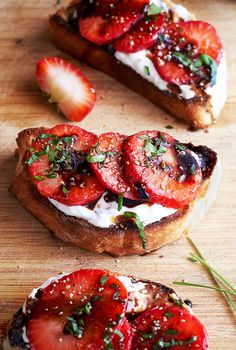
column 28, row 253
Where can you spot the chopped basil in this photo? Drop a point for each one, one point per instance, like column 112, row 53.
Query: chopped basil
column 45, row 136
column 139, row 224
column 168, row 314
column 51, row 176
column 73, row 328
column 162, row 138
column 99, row 158
column 67, row 139
column 154, row 10
column 96, row 298
column 103, row 280
column 153, row 150
column 162, row 344
column 114, row 286
column 116, row 295
column 116, row 331
column 143, row 137
column 170, row 332
column 169, row 127
column 32, row 159
column 86, row 309
column 181, row 178
column 64, row 190
column 120, row 201
column 39, row 178
column 209, row 62
column 107, row 341
column 146, row 70
column 203, row 60
column 147, row 335
column 180, row 147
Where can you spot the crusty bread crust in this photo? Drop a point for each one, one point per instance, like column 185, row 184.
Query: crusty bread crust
column 114, row 239
column 196, row 111
column 155, row 294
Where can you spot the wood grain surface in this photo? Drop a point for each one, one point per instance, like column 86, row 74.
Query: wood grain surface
column 29, row 254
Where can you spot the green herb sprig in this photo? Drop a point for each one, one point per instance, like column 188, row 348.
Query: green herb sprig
column 139, row 224
column 222, row 284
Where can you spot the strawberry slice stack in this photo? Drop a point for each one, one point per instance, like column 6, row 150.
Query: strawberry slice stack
column 87, row 310
column 76, row 167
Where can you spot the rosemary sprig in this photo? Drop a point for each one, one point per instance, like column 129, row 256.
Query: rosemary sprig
column 223, row 285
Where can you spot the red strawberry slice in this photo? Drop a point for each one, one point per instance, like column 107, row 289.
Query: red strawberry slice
column 168, row 327
column 123, row 337
column 142, row 35
column 67, row 86
column 106, row 160
column 166, row 170
column 79, row 311
column 58, row 168
column 189, row 40
column 105, row 25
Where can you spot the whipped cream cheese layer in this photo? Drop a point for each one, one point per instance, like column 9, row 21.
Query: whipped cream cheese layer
column 105, row 213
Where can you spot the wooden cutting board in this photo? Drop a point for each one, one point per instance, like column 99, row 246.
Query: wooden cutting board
column 29, row 254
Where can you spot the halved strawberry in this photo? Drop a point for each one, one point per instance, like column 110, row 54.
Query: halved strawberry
column 67, row 86
column 105, row 24
column 106, row 160
column 188, row 52
column 164, row 168
column 82, row 310
column 142, row 35
column 57, row 164
column 171, row 327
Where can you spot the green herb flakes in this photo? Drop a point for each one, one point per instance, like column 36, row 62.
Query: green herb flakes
column 103, row 280
column 154, row 10
column 139, row 224
column 99, row 158
column 64, row 190
column 146, row 70
column 120, row 201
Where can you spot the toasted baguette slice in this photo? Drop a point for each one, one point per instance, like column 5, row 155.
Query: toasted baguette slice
column 116, row 239
column 200, row 111
column 142, row 295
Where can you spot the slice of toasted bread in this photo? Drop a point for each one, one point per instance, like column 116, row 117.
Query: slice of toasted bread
column 200, row 111
column 142, row 295
column 116, row 239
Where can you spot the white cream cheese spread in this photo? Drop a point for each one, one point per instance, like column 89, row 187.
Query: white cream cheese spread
column 104, row 213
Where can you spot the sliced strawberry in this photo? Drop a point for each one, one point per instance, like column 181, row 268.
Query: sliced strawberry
column 57, row 164
column 104, row 25
column 79, row 311
column 67, row 86
column 165, row 169
column 168, row 327
column 177, row 54
column 123, row 337
column 142, row 35
column 106, row 160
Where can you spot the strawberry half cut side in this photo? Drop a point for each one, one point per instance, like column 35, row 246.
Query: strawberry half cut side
column 106, row 161
column 67, row 86
column 168, row 327
column 188, row 52
column 165, row 169
column 57, row 165
column 82, row 310
column 105, row 24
